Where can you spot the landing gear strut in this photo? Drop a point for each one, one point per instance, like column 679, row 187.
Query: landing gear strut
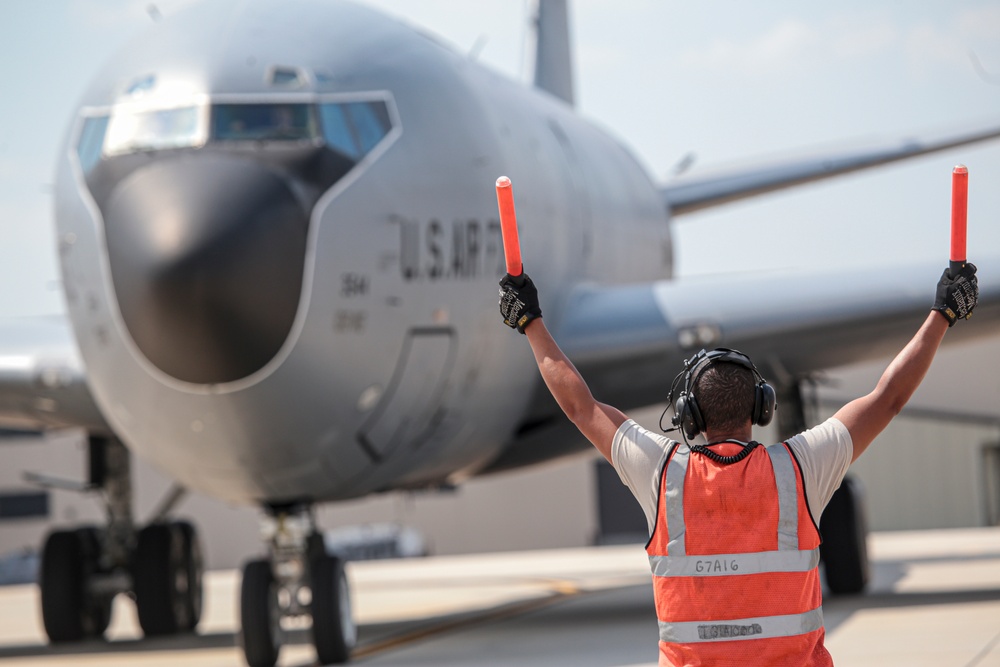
column 843, row 527
column 83, row 569
column 298, row 579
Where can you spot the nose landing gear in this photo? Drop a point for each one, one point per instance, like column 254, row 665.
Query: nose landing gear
column 298, row 580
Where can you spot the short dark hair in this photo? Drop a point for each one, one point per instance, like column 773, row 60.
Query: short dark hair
column 725, row 395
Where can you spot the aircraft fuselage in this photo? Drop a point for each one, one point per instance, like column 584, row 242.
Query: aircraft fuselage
column 279, row 241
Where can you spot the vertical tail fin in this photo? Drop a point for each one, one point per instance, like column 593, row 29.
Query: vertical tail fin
column 553, row 61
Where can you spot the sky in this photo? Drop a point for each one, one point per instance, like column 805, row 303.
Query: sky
column 730, row 82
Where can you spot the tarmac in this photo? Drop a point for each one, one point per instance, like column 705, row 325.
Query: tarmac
column 934, row 600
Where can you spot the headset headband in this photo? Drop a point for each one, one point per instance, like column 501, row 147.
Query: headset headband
column 702, row 361
column 687, row 415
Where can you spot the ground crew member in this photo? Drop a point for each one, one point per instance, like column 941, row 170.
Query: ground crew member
column 734, row 538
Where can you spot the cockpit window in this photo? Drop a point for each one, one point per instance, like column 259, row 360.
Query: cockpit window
column 88, row 148
column 337, row 130
column 141, row 85
column 351, row 129
column 288, row 77
column 355, row 128
column 133, row 130
column 263, row 122
column 371, row 120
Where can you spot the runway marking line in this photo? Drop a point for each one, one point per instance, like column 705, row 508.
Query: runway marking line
column 561, row 590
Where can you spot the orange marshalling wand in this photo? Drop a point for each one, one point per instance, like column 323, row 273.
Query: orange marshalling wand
column 959, row 217
column 508, row 227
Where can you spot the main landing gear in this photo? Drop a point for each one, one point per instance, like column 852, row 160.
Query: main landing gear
column 299, row 579
column 84, row 568
column 844, row 550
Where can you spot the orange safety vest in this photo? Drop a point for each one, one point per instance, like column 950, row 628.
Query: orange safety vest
column 735, row 557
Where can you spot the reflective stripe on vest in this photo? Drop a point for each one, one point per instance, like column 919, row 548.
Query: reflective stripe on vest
column 676, row 472
column 765, row 627
column 788, row 502
column 734, row 564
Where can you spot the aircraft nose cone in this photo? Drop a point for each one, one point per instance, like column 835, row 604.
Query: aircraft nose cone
column 206, row 254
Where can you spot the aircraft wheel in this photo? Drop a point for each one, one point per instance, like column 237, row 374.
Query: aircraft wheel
column 69, row 613
column 260, row 617
column 195, row 566
column 62, row 587
column 167, row 579
column 844, row 549
column 97, row 611
column 334, row 632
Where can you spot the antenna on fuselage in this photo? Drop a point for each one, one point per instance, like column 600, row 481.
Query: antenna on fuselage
column 981, row 72
column 553, row 60
column 478, row 46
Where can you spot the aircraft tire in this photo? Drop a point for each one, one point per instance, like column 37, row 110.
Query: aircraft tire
column 69, row 559
column 162, row 581
column 195, row 567
column 62, row 587
column 97, row 612
column 260, row 619
column 334, row 631
column 844, row 550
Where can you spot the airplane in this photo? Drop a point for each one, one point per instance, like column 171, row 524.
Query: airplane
column 279, row 246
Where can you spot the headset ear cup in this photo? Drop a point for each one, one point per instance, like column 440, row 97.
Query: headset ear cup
column 690, row 416
column 681, row 417
column 764, row 404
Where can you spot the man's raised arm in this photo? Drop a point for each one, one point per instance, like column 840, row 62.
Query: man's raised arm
column 868, row 416
column 520, row 310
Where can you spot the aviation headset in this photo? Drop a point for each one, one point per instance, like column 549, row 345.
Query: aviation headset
column 687, row 414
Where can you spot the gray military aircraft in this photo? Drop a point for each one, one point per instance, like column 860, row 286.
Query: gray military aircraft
column 279, row 245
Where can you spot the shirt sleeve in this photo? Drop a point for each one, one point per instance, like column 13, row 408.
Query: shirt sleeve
column 824, row 453
column 637, row 455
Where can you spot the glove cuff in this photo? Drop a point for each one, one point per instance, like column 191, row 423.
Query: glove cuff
column 948, row 314
column 525, row 320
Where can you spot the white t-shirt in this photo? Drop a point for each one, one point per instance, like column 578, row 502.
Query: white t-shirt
column 823, row 452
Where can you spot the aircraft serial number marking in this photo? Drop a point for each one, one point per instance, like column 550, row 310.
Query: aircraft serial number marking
column 463, row 250
column 353, row 284
column 349, row 321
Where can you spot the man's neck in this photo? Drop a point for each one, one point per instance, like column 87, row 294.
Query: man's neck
column 741, row 435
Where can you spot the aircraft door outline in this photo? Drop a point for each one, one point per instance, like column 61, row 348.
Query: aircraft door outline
column 410, row 407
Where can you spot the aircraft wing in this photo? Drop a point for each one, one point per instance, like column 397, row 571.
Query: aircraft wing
column 689, row 194
column 629, row 341
column 42, row 380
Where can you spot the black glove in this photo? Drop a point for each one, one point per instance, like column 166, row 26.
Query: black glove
column 518, row 301
column 957, row 297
